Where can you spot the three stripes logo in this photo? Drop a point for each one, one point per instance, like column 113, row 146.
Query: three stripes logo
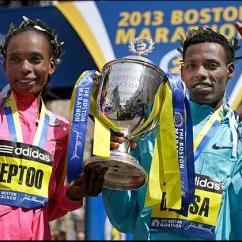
column 5, row 149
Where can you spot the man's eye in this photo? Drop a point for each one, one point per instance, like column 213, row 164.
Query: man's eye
column 212, row 66
column 14, row 59
column 190, row 66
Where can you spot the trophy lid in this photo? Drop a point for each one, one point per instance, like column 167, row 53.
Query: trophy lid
column 140, row 47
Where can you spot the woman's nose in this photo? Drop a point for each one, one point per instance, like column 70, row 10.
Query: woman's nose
column 26, row 66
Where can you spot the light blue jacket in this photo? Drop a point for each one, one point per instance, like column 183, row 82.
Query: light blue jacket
column 126, row 209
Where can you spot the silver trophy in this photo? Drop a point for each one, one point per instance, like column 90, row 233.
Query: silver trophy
column 127, row 88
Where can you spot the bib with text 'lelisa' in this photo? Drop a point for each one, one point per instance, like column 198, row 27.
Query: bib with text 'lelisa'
column 202, row 215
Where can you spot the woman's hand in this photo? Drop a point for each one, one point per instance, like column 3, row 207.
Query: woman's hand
column 89, row 183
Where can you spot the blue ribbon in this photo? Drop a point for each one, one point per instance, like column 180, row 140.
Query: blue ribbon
column 184, row 139
column 78, row 130
column 44, row 132
column 11, row 126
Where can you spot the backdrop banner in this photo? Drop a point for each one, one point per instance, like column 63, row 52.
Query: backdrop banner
column 90, row 41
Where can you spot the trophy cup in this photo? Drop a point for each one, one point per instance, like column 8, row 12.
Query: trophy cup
column 127, row 89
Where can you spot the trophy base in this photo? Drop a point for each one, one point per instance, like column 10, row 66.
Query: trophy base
column 124, row 171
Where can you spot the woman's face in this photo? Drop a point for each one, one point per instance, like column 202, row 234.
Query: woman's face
column 28, row 63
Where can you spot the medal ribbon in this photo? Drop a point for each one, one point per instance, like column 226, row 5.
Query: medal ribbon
column 85, row 103
column 80, row 106
column 164, row 172
column 184, row 141
column 14, row 124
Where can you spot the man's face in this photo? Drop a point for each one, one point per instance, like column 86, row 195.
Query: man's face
column 28, row 63
column 206, row 73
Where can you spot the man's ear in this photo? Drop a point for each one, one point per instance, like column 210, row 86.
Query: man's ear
column 182, row 71
column 4, row 66
column 230, row 70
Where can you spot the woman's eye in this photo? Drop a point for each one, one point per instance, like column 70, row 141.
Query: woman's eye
column 35, row 59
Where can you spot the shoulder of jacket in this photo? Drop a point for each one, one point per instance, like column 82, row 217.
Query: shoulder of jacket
column 57, row 120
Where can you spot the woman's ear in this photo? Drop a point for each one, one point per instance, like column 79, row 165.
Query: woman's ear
column 52, row 66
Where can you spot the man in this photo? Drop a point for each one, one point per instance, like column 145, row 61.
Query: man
column 216, row 213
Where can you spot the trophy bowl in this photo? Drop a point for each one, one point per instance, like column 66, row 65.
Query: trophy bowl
column 126, row 93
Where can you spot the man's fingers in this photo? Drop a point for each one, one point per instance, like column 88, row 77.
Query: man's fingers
column 118, row 139
column 133, row 145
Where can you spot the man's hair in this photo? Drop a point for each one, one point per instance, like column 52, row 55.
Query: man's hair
column 56, row 48
column 204, row 35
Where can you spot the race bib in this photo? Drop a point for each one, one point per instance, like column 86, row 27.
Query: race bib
column 25, row 172
column 202, row 215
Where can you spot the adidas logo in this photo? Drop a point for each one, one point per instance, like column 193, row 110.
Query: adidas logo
column 204, row 182
column 26, row 152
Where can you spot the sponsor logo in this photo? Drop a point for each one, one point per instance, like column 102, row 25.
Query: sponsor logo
column 178, row 119
column 217, row 147
column 206, row 183
column 25, row 152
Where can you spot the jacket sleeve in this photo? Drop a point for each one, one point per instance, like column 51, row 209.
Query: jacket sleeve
column 122, row 209
column 235, row 201
column 59, row 204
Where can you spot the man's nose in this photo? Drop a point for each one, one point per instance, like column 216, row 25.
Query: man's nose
column 201, row 72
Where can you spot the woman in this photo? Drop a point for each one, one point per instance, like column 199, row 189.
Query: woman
column 33, row 140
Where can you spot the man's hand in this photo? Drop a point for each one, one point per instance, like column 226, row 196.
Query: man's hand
column 117, row 139
column 89, row 183
column 238, row 26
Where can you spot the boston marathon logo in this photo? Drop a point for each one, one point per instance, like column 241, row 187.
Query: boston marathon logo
column 24, row 151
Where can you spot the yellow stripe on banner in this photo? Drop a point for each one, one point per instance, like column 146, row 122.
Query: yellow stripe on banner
column 25, row 176
column 101, row 142
column 237, row 101
column 156, row 174
column 156, row 177
column 76, row 20
column 169, row 152
column 164, row 172
column 204, row 131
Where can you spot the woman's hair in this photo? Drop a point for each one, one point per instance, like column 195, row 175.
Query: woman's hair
column 205, row 34
column 56, row 48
